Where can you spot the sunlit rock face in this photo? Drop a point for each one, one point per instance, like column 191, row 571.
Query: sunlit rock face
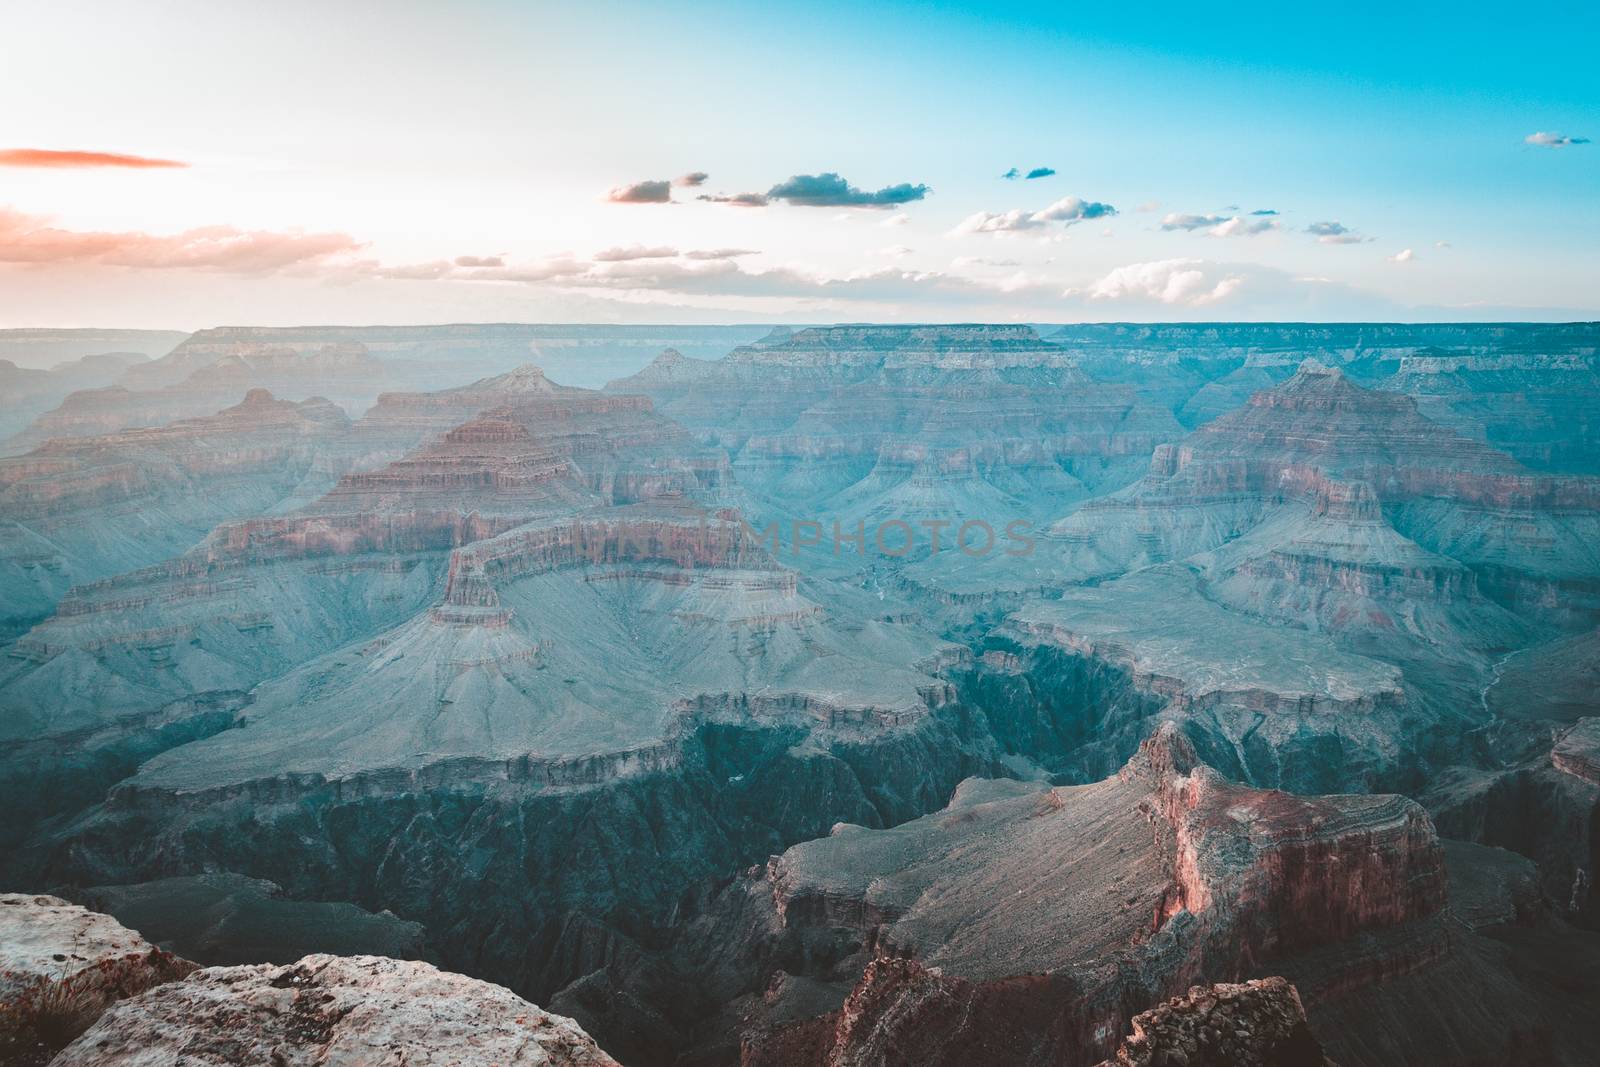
column 1063, row 911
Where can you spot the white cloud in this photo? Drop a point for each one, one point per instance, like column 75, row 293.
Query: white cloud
column 1544, row 139
column 1069, row 210
column 1240, row 226
column 1405, row 255
column 1187, row 282
column 898, row 219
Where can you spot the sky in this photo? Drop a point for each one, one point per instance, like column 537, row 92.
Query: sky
column 184, row 164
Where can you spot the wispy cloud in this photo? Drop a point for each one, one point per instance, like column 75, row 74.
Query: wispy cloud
column 645, row 192
column 622, row 255
column 1263, row 211
column 736, row 199
column 44, row 157
column 1243, row 226
column 720, row 253
column 1069, row 210
column 480, row 261
column 31, row 239
column 1176, row 221
column 1335, row 233
column 694, row 179
column 1543, row 139
column 1012, row 175
column 983, row 261
column 830, row 190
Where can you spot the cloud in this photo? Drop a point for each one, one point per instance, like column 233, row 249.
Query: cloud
column 479, row 261
column 720, row 253
column 1241, row 226
column 1191, row 222
column 621, row 255
column 645, row 192
column 830, row 190
column 1441, row 244
column 1076, row 209
column 43, row 157
column 895, row 251
column 983, row 261
column 999, row 222
column 1185, row 282
column 1012, row 175
column 693, row 179
column 1039, row 172
column 1335, row 233
column 737, row 199
column 1553, row 140
column 1069, row 210
column 899, row 218
column 1405, row 255
column 1263, row 211
column 29, row 239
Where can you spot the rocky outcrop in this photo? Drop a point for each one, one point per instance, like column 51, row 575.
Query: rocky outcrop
column 1027, row 926
column 330, row 1009
column 61, row 966
column 1259, row 1023
column 1578, row 751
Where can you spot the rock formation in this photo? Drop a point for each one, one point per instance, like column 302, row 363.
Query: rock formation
column 80, row 509
column 61, row 966
column 1161, row 876
column 331, row 1009
column 1259, row 1023
column 519, row 677
column 77, row 988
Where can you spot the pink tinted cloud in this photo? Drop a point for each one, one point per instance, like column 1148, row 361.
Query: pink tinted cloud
column 29, row 239
column 45, row 157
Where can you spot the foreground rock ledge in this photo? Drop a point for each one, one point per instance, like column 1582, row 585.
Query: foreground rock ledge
column 332, row 1011
column 1251, row 1024
column 61, row 966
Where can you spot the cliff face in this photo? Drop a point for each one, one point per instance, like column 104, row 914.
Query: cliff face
column 1029, row 925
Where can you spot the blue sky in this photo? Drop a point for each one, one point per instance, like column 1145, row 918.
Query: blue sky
column 429, row 162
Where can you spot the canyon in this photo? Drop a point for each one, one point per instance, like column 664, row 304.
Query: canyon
column 1275, row 693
